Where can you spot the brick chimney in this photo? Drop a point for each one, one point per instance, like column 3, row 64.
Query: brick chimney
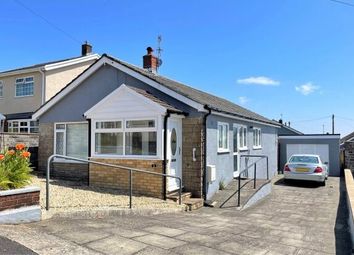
column 150, row 61
column 86, row 49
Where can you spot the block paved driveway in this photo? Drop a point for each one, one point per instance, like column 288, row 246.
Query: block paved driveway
column 298, row 218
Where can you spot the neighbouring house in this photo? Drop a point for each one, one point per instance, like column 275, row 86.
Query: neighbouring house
column 347, row 151
column 118, row 113
column 24, row 90
column 286, row 129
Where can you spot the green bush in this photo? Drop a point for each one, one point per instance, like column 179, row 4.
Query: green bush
column 15, row 170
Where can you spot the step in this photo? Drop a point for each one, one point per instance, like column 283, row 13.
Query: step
column 193, row 204
column 175, row 196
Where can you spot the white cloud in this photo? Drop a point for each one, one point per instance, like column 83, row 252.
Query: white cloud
column 260, row 80
column 307, row 88
column 243, row 100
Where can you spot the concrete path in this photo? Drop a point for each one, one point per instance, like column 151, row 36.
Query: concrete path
column 298, row 218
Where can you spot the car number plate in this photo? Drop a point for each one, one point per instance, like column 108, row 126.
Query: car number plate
column 302, row 170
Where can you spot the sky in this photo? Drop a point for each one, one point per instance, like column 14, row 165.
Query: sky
column 280, row 58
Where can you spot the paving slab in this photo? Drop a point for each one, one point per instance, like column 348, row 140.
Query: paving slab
column 164, row 231
column 160, row 241
column 117, row 245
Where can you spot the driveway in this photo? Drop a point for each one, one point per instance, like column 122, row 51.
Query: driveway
column 298, row 218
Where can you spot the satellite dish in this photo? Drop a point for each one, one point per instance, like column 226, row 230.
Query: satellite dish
column 159, row 62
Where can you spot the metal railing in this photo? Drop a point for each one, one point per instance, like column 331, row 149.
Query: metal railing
column 254, row 174
column 130, row 169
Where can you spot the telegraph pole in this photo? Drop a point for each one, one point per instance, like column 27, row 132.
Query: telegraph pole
column 332, row 124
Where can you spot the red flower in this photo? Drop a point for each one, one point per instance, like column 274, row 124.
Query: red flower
column 20, row 146
column 2, row 156
column 25, row 154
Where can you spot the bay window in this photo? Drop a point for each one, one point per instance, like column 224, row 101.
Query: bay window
column 223, row 137
column 71, row 139
column 134, row 138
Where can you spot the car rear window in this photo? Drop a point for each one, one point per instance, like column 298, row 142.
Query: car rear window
column 304, row 159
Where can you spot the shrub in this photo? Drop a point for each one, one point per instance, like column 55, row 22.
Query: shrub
column 222, row 185
column 15, row 168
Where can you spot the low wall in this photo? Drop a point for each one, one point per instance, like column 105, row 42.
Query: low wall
column 349, row 185
column 19, row 205
column 143, row 184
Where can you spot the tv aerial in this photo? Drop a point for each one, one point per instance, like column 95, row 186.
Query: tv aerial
column 159, row 51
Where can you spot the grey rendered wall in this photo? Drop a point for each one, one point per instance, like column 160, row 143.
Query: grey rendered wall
column 95, row 88
column 224, row 161
column 334, row 162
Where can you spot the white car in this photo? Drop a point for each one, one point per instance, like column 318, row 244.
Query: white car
column 306, row 167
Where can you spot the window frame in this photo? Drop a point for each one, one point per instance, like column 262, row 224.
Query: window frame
column 243, row 136
column 257, row 138
column 1, row 89
column 64, row 145
column 24, row 78
column 223, row 149
column 27, row 126
column 125, row 130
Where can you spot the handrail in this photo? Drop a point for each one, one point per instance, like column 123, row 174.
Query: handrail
column 130, row 169
column 254, row 175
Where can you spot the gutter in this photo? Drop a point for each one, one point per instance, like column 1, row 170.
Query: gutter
column 205, row 150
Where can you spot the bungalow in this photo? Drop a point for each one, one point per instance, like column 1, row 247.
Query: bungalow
column 119, row 113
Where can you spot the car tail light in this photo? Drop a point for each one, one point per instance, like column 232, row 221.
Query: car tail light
column 286, row 168
column 318, row 170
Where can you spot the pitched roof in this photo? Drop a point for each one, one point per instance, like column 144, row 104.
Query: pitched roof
column 292, row 129
column 347, row 138
column 44, row 64
column 212, row 101
column 156, row 99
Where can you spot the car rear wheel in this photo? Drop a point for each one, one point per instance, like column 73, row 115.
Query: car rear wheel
column 323, row 183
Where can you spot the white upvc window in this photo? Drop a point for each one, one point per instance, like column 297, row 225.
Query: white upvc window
column 243, row 138
column 71, row 139
column 257, row 138
column 22, row 126
column 125, row 137
column 223, row 137
column 24, row 87
column 1, row 89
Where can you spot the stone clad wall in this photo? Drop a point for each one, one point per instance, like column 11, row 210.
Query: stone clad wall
column 192, row 178
column 349, row 155
column 11, row 139
column 143, row 184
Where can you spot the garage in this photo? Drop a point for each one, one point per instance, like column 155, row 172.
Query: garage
column 326, row 146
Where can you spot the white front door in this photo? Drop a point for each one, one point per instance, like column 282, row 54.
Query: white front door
column 174, row 152
column 236, row 151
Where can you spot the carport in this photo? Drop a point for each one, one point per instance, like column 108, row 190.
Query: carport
column 327, row 146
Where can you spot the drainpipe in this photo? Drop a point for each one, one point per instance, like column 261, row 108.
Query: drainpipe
column 168, row 114
column 43, row 85
column 205, row 150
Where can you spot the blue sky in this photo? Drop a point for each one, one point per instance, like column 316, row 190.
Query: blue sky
column 289, row 57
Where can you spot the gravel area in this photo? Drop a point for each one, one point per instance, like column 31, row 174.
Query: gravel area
column 67, row 196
